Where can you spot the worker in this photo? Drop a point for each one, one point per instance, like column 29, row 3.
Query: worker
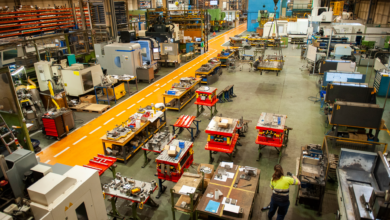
column 280, row 197
column 358, row 38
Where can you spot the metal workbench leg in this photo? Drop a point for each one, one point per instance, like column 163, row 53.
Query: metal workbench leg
column 197, row 127
column 134, row 210
column 113, row 170
column 161, row 188
column 147, row 160
column 258, row 159
column 211, row 157
column 179, row 103
column 173, row 205
column 152, row 203
column 136, row 83
column 114, row 211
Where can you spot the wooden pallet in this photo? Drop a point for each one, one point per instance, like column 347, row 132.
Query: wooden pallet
column 90, row 107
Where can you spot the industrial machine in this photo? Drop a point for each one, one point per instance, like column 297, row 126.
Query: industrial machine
column 119, row 58
column 149, row 51
column 77, row 80
column 320, row 14
column 363, row 179
column 31, row 104
column 341, row 50
column 74, row 195
column 163, row 31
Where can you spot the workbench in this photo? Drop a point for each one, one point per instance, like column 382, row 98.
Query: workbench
column 124, row 142
column 147, row 188
column 222, row 140
column 191, row 199
column 156, row 144
column 105, row 97
column 172, row 168
column 185, row 122
column 207, row 76
column 244, row 192
column 272, row 131
column 178, row 97
column 206, row 96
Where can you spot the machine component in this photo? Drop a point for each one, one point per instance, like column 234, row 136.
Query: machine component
column 31, row 104
column 172, row 168
column 17, row 164
column 184, row 83
column 159, row 140
column 364, row 179
column 251, row 171
column 206, row 95
column 79, row 188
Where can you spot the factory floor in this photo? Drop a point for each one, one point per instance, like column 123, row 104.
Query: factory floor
column 292, row 93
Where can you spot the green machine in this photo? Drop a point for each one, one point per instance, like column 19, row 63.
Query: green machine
column 217, row 19
column 387, row 42
column 369, row 44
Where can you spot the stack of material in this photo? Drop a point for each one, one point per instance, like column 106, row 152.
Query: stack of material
column 333, row 162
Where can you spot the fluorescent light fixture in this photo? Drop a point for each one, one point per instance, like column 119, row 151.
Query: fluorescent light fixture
column 18, row 70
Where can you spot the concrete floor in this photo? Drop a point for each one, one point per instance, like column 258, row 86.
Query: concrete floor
column 289, row 93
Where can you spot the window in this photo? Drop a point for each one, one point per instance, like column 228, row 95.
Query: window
column 10, row 54
column 81, row 212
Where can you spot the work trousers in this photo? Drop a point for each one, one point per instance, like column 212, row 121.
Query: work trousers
column 282, row 208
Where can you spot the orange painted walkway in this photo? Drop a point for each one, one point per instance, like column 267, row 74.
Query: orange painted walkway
column 84, row 143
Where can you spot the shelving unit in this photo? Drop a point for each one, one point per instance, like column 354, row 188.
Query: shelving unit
column 27, row 22
column 87, row 16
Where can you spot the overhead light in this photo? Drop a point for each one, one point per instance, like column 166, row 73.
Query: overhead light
column 18, row 70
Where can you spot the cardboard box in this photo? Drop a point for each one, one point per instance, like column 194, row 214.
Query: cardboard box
column 223, row 122
column 316, row 44
column 355, row 136
column 209, row 175
column 172, row 150
column 88, row 99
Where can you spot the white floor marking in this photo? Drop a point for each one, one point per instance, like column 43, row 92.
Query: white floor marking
column 61, row 152
column 108, row 121
column 79, row 140
column 95, row 130
column 120, row 113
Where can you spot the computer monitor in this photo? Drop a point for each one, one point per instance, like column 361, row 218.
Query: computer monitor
column 198, row 39
column 213, row 2
column 156, row 50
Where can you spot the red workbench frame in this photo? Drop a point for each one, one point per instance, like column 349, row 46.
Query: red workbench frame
column 101, row 163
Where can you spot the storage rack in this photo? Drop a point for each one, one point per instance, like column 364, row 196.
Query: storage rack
column 27, row 22
column 87, row 16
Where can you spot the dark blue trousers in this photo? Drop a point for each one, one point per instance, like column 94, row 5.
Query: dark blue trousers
column 282, row 208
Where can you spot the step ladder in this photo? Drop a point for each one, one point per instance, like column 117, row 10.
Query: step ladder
column 8, row 133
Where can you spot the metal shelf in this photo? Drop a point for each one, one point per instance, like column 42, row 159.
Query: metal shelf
column 36, row 21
